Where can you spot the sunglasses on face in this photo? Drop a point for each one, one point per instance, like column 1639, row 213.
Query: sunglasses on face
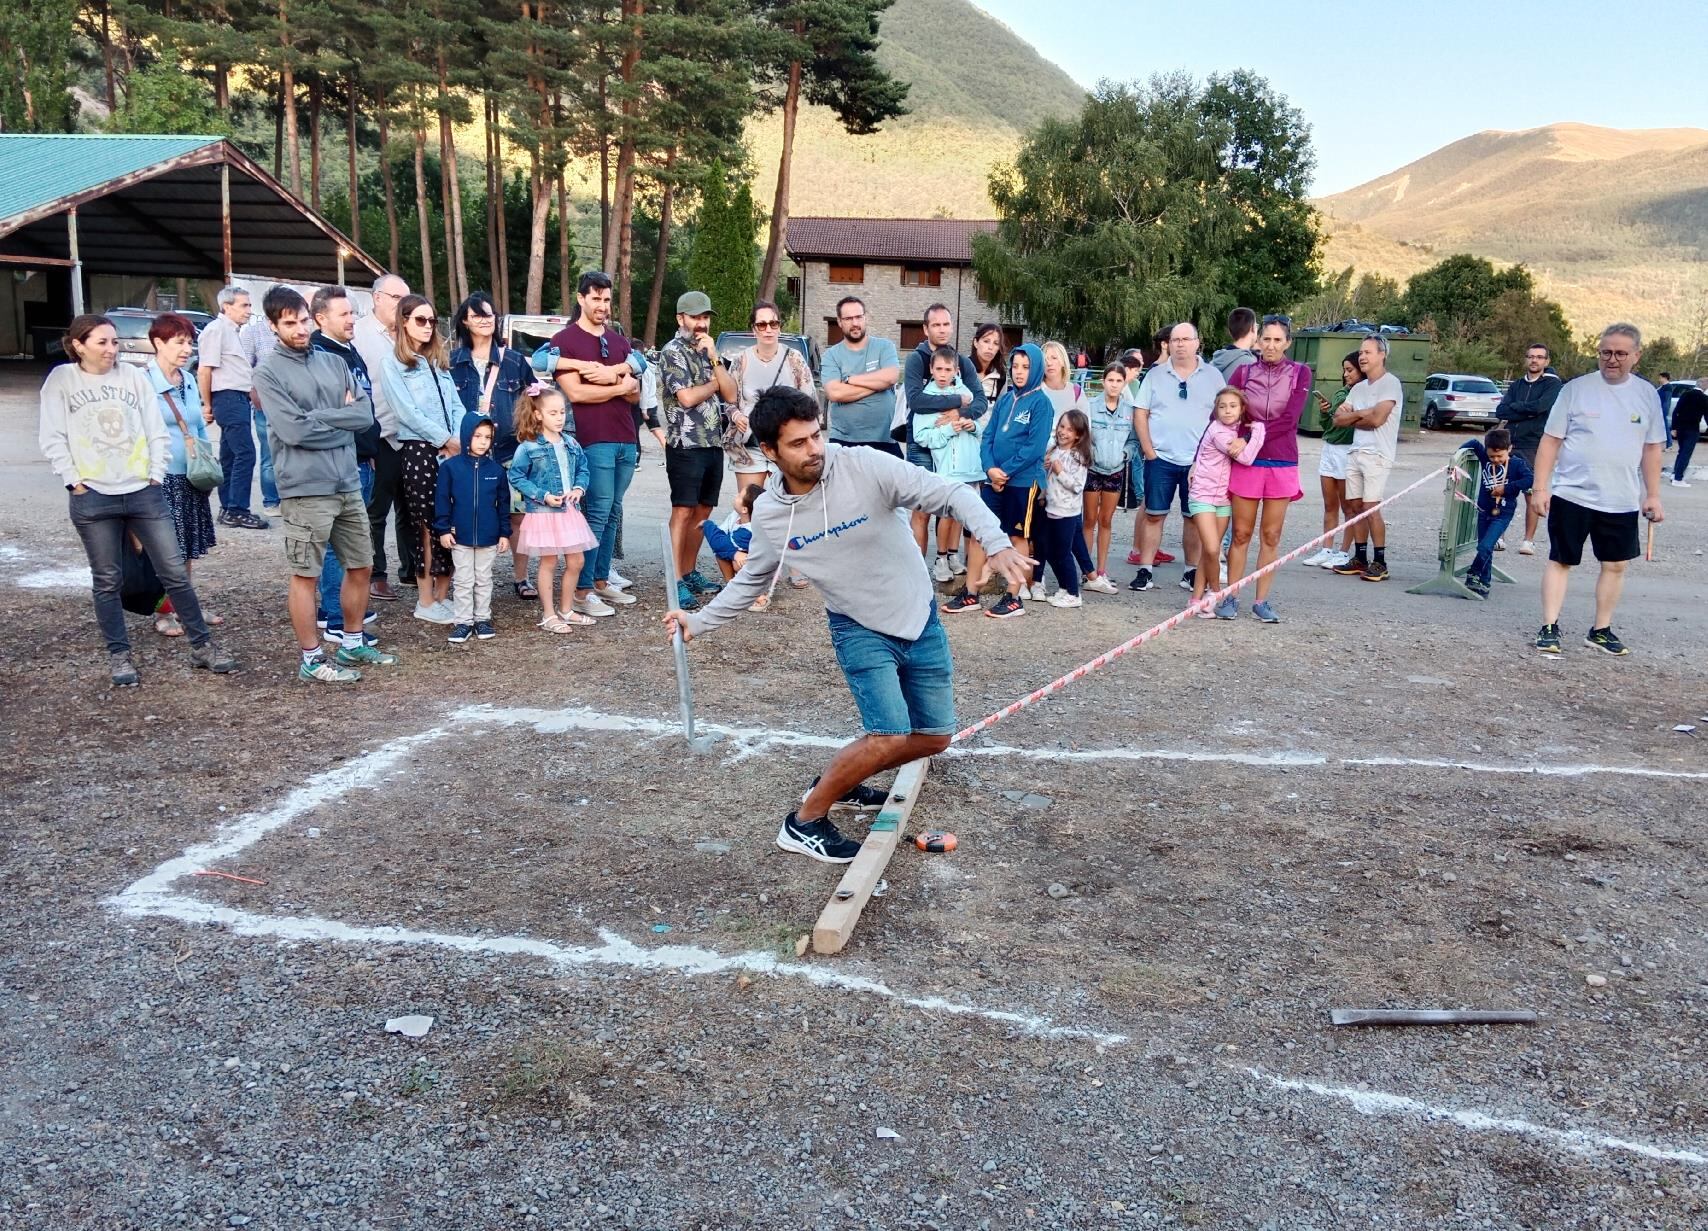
column 767, row 324
column 423, row 320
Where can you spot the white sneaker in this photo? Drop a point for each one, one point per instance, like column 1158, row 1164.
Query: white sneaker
column 1316, row 560
column 940, row 571
column 1061, row 598
column 1099, row 585
column 436, row 613
column 1039, row 593
column 1335, row 559
column 593, row 606
column 1678, row 483
column 621, row 598
column 1500, row 544
column 1527, row 547
column 958, row 565
column 617, row 581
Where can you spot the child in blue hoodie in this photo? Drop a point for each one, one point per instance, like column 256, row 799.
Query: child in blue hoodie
column 1012, row 454
column 471, row 516
column 1504, row 475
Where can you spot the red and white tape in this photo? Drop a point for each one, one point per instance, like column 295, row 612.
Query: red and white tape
column 1173, row 621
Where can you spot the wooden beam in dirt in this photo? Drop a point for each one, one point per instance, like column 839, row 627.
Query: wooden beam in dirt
column 836, row 923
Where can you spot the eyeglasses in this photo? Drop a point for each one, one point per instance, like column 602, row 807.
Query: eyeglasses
column 1614, row 354
column 423, row 320
column 767, row 324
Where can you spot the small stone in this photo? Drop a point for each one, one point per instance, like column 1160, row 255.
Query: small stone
column 712, row 848
column 989, row 1165
column 1596, row 980
column 1449, row 877
column 314, row 831
column 1058, row 890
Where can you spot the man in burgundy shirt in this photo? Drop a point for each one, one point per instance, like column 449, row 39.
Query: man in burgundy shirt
column 602, row 392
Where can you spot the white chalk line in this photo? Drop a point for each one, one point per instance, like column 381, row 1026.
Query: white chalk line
column 152, row 895
column 1380, row 1103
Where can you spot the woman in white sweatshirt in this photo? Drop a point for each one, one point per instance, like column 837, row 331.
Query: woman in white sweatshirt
column 102, row 433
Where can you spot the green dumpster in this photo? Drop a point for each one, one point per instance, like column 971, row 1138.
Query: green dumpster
column 1322, row 351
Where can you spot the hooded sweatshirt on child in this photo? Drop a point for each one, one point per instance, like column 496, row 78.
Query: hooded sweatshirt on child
column 1021, row 426
column 473, row 497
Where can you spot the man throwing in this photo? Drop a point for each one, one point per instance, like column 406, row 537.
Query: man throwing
column 1604, row 426
column 1522, row 411
column 830, row 515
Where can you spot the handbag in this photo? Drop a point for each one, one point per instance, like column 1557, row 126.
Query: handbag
column 140, row 590
column 201, row 459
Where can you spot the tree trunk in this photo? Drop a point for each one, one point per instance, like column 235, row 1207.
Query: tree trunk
column 494, row 282
column 222, row 88
column 780, row 203
column 604, row 167
column 314, row 91
column 107, row 57
column 537, row 238
column 563, row 287
column 350, row 135
column 390, row 191
column 279, row 136
column 456, row 259
column 661, row 260
column 624, row 189
column 288, row 96
column 451, row 295
column 502, row 290
column 423, row 207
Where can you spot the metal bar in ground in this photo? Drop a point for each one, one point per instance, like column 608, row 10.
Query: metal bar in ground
column 684, row 686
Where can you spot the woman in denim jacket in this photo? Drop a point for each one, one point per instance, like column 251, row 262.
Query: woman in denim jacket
column 418, row 388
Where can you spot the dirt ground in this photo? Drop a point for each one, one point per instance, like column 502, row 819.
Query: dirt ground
column 1108, row 1007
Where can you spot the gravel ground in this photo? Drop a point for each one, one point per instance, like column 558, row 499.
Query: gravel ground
column 1208, row 903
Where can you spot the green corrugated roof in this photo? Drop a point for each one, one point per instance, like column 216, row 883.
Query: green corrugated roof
column 36, row 169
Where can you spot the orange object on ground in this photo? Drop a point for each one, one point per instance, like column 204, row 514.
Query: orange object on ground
column 935, row 842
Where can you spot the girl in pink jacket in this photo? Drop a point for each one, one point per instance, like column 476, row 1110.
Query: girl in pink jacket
column 1221, row 448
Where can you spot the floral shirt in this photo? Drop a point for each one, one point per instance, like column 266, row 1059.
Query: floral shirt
column 682, row 365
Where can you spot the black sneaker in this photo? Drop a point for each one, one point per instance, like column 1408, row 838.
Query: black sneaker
column 862, row 798
column 1141, row 580
column 460, row 634
column 1006, row 608
column 966, row 600
column 484, row 630
column 1188, row 579
column 122, row 669
column 243, row 519
column 1477, row 586
column 1603, row 639
column 818, row 840
column 1376, row 570
column 1548, row 639
column 1354, row 567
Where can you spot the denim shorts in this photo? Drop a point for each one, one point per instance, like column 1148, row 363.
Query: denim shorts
column 900, row 687
column 1163, row 482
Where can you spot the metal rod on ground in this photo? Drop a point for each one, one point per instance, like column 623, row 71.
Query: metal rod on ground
column 684, row 686
column 1432, row 1017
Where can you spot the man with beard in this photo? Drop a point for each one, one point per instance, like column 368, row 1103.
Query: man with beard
column 1523, row 411
column 860, row 374
column 694, row 386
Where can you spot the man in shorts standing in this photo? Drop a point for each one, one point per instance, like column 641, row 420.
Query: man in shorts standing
column 1523, row 411
column 1604, row 426
column 694, row 386
column 1170, row 412
column 1372, row 410
column 314, row 411
column 830, row 513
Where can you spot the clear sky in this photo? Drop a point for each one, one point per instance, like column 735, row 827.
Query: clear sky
column 1384, row 84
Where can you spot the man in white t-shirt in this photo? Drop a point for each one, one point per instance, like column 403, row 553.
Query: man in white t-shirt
column 1372, row 409
column 1603, row 428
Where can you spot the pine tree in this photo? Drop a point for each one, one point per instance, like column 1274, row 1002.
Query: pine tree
column 36, row 38
column 722, row 264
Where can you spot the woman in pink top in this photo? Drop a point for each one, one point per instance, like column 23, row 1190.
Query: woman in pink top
column 1275, row 388
column 1222, row 453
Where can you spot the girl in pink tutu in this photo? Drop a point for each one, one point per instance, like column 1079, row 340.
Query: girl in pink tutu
column 551, row 474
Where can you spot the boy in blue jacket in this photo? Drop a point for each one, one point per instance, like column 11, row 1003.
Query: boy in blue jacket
column 1012, row 454
column 1505, row 474
column 472, row 520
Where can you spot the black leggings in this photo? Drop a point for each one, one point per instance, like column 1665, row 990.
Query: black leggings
column 1081, row 553
column 1056, row 539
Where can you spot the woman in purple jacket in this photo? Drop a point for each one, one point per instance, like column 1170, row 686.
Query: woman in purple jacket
column 1275, row 389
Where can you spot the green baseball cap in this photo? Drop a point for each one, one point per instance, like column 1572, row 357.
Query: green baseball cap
column 693, row 303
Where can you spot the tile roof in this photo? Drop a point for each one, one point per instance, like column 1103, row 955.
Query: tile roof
column 937, row 241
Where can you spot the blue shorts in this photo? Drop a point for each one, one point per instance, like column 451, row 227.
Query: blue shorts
column 1015, row 507
column 900, row 687
column 1163, row 481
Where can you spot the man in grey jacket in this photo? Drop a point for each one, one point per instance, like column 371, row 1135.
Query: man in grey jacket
column 831, row 516
column 313, row 414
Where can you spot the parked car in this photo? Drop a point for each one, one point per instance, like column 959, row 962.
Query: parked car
column 1453, row 399
column 731, row 342
column 132, row 325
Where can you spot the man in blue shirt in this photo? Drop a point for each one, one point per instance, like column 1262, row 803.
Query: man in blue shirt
column 1170, row 412
column 860, row 374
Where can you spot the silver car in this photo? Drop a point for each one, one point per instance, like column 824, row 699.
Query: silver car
column 1454, row 399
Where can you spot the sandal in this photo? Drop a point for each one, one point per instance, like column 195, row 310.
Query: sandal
column 166, row 624
column 212, row 620
column 525, row 589
column 554, row 624
column 761, row 603
column 577, row 619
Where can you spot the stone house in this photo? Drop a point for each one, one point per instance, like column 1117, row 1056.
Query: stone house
column 900, row 267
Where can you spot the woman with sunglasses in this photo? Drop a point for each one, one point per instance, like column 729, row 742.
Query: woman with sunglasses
column 764, row 365
column 416, row 377
column 1275, row 389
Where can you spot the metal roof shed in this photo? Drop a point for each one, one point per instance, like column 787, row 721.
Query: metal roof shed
column 162, row 207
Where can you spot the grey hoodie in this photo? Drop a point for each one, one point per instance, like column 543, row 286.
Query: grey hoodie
column 1231, row 357
column 851, row 537
column 311, row 425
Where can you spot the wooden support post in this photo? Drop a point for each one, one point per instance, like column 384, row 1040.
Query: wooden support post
column 77, row 304
column 225, row 220
column 842, row 912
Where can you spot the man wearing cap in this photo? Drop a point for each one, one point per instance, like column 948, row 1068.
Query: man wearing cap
column 694, row 386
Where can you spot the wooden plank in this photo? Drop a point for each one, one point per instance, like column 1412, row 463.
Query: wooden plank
column 836, row 923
